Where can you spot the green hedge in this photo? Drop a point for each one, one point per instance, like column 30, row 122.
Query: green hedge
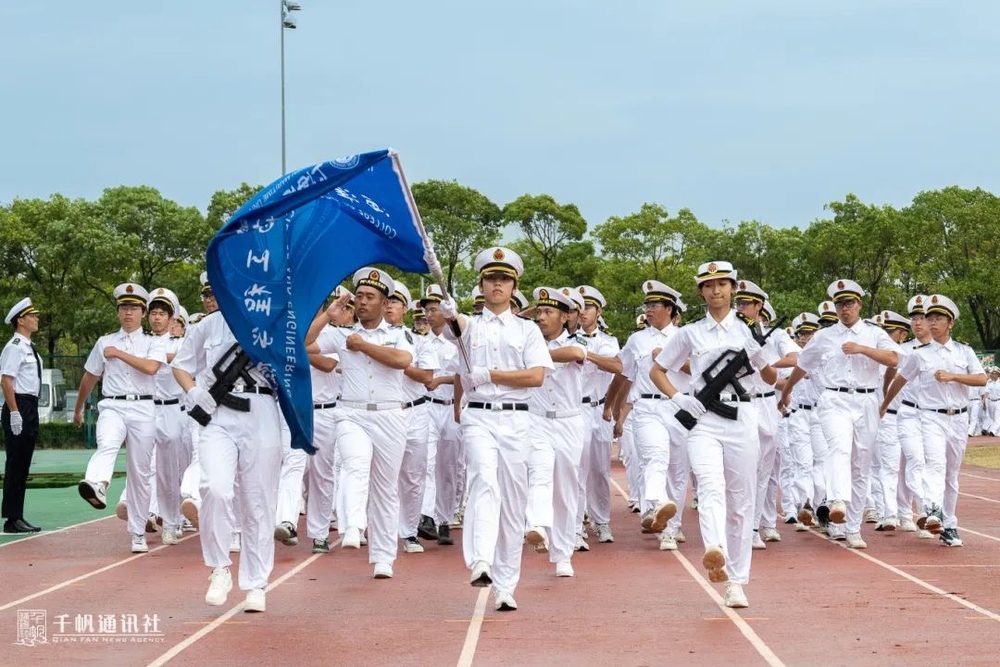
column 59, row 435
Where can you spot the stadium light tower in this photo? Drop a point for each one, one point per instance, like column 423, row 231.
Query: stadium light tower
column 287, row 22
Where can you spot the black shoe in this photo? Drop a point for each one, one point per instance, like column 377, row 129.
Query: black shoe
column 950, row 537
column 34, row 529
column 427, row 529
column 285, row 533
column 823, row 514
column 444, row 534
column 321, row 546
column 17, row 526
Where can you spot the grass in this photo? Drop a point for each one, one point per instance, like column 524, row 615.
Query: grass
column 987, row 456
column 55, row 480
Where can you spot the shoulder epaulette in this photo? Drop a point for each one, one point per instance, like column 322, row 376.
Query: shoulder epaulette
column 961, row 342
column 418, row 333
column 172, row 337
column 15, row 340
column 917, row 347
column 697, row 319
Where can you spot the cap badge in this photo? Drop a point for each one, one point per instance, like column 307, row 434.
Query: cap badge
column 743, row 285
column 429, row 290
column 373, row 275
column 826, row 306
column 543, row 294
column 498, row 255
column 129, row 289
column 840, row 284
column 713, row 267
column 583, row 290
column 649, row 286
column 934, row 299
column 920, row 300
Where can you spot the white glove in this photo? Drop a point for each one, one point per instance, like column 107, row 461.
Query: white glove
column 16, row 423
column 689, row 404
column 432, row 261
column 199, row 396
column 479, row 375
column 449, row 309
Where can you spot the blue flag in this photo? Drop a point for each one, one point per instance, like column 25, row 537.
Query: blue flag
column 278, row 258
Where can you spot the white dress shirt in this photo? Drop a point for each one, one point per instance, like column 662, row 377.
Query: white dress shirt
column 364, row 380
column 562, row 391
column 854, row 371
column 20, row 361
column 703, row 342
column 919, row 368
column 203, row 346
column 637, row 360
column 118, row 377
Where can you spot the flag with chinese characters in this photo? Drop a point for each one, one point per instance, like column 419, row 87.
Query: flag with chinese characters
column 278, row 258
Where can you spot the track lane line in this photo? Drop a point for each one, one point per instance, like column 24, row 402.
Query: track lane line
column 475, row 625
column 912, row 579
column 745, row 629
column 88, row 575
column 178, row 648
column 46, row 533
column 990, row 479
column 970, row 495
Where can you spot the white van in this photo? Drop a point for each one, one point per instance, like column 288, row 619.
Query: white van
column 52, row 401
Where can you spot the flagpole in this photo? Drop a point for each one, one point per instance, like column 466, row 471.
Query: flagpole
column 434, row 266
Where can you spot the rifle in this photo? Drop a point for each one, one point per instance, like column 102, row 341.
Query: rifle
column 227, row 371
column 734, row 365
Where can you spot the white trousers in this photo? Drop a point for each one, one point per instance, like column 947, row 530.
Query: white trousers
column 134, row 421
column 371, row 447
column 412, row 479
column 241, row 454
column 652, row 445
column 800, row 461
column 565, row 436
column 911, row 444
column 496, row 455
column 888, row 453
column 767, row 429
column 786, row 471
column 626, row 446
column 170, row 451
column 293, row 468
column 723, row 456
column 595, row 466
column 322, row 475
column 945, row 438
column 850, row 424
column 449, row 462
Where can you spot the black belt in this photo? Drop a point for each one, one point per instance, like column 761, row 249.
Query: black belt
column 168, row 401
column 734, row 398
column 590, row 401
column 254, row 389
column 324, row 406
column 441, row 401
column 910, row 404
column 656, row 396
column 412, row 404
column 26, row 397
column 131, row 397
column 498, row 406
column 948, row 411
column 803, row 406
column 891, row 412
column 767, row 395
column 852, row 390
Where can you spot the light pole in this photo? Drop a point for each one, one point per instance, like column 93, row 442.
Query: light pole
column 287, row 21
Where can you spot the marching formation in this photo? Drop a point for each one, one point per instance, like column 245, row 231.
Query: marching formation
column 501, row 424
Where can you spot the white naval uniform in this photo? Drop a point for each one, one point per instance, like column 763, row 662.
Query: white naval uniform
column 322, row 472
column 131, row 418
column 657, row 434
column 976, row 409
column 239, row 452
column 763, row 399
column 497, row 443
column 168, row 406
column 807, row 446
column 416, row 411
column 291, row 478
column 944, row 435
column 910, row 479
column 889, row 453
column 723, row 453
column 556, row 449
column 847, row 409
column 371, row 435
column 783, row 475
column 445, row 460
column 595, row 464
column 992, row 409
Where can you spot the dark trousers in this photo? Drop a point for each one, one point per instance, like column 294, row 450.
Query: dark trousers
column 20, row 449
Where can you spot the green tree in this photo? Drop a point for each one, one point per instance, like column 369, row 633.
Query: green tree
column 225, row 203
column 547, row 226
column 459, row 221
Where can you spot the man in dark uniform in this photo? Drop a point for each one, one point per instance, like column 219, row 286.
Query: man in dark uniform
column 21, row 371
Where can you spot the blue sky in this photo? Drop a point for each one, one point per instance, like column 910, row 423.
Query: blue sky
column 734, row 109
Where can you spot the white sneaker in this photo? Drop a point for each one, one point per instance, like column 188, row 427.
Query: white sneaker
column 668, row 542
column 679, row 536
column 871, row 516
column 189, row 508
column 838, row 511
column 535, row 536
column 714, row 561
column 363, row 539
column 889, row 524
column 758, row 543
column 256, row 601
column 770, row 535
column 481, row 575
column 907, row 526
column 121, row 511
column 139, row 545
column 925, row 535
column 564, row 570
column 170, row 536
column 95, row 493
column 187, row 526
column 735, row 597
column 235, row 543
column 505, row 602
column 350, row 539
column 604, row 535
column 382, row 571
column 412, row 545
column 800, row 527
column 220, row 583
column 581, row 543
column 855, row 542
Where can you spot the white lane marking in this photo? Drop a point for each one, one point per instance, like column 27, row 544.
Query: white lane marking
column 759, row 645
column 187, row 643
column 969, row 474
column 978, row 534
column 475, row 625
column 88, row 575
column 46, row 533
column 915, row 580
column 969, row 495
